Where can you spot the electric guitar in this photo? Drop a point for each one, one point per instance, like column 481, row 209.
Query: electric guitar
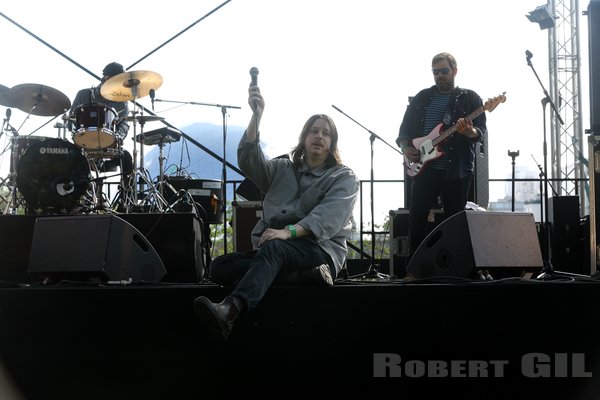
column 428, row 145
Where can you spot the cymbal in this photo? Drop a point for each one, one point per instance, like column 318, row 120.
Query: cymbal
column 39, row 99
column 130, row 85
column 145, row 118
column 4, row 96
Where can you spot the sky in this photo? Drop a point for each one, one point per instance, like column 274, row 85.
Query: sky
column 366, row 57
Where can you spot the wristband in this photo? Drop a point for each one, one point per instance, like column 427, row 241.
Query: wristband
column 292, row 230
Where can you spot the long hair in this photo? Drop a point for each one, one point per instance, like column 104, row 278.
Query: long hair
column 333, row 158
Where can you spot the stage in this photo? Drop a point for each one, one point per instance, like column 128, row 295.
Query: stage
column 146, row 342
column 513, row 337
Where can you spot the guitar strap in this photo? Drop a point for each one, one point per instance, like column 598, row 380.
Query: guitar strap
column 451, row 110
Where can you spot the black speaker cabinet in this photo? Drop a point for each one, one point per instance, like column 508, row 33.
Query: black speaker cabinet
column 180, row 240
column 399, row 244
column 245, row 216
column 593, row 14
column 566, row 238
column 103, row 247
column 503, row 243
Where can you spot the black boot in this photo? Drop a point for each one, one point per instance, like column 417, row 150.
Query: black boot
column 218, row 316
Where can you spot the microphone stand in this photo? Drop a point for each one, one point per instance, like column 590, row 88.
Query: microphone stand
column 224, row 163
column 373, row 271
column 513, row 155
column 548, row 271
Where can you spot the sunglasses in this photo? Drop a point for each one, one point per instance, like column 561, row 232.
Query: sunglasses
column 443, row 71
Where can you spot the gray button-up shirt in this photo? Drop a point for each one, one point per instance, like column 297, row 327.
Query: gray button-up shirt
column 320, row 200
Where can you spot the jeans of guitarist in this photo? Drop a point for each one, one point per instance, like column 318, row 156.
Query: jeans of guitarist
column 449, row 176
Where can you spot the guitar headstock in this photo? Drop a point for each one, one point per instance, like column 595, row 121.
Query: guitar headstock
column 491, row 104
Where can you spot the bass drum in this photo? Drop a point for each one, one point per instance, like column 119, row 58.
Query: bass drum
column 52, row 176
column 20, row 144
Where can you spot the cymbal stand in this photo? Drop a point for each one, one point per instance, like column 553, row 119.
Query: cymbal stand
column 224, row 109
column 140, row 175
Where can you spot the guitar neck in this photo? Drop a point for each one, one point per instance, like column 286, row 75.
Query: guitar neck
column 444, row 135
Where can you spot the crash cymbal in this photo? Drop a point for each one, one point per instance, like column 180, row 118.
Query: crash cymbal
column 39, row 99
column 4, row 96
column 145, row 118
column 130, row 85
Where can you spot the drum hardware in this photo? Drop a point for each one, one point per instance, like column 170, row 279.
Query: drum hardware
column 130, row 86
column 160, row 137
column 38, row 99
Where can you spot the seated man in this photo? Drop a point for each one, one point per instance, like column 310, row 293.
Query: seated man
column 307, row 208
column 106, row 159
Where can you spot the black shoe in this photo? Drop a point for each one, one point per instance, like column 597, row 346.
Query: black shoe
column 219, row 317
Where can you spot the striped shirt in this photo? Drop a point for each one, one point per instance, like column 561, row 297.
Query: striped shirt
column 433, row 116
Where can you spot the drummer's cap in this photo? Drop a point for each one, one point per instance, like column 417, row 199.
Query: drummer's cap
column 113, row 69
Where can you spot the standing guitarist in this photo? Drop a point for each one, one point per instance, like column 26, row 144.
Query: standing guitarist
column 449, row 172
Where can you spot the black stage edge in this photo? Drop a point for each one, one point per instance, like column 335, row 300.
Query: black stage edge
column 310, row 342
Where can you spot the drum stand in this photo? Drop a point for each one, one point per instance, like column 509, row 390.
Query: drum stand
column 11, row 180
column 140, row 175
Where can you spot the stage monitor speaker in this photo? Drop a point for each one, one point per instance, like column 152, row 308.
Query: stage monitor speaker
column 103, row 247
column 476, row 240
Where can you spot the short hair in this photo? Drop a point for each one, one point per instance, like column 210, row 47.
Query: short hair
column 444, row 57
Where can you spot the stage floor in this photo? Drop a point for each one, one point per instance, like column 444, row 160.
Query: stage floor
column 146, row 342
column 508, row 338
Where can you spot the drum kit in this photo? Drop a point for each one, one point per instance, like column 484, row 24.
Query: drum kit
column 53, row 175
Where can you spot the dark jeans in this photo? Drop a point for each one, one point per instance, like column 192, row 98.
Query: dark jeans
column 425, row 189
column 253, row 272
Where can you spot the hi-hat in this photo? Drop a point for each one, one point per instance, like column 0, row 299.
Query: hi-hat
column 130, row 85
column 39, row 99
column 144, row 118
column 4, row 96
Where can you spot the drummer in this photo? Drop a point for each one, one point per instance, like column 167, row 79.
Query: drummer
column 93, row 96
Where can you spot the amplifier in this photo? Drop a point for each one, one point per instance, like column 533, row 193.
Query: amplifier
column 206, row 192
column 245, row 216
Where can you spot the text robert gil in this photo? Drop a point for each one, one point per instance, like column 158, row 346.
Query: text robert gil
column 532, row 365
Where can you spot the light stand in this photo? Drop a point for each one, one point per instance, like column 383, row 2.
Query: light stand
column 513, row 155
column 373, row 272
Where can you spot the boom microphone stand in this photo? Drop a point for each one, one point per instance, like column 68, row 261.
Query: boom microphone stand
column 224, row 168
column 373, row 272
column 548, row 270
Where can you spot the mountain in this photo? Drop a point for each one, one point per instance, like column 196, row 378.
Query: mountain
column 185, row 158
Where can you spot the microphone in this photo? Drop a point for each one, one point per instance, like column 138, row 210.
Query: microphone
column 152, row 95
column 254, row 75
column 7, row 119
column 528, row 54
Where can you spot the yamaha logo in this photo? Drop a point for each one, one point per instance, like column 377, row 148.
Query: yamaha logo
column 54, row 150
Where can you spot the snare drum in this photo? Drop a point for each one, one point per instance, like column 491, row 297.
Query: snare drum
column 95, row 126
column 52, row 176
